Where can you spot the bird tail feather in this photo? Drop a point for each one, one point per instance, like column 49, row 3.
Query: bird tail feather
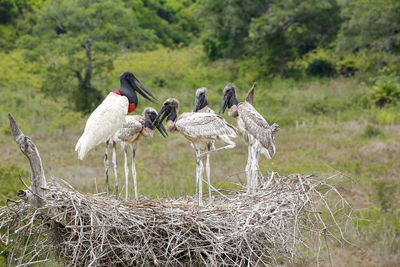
column 81, row 147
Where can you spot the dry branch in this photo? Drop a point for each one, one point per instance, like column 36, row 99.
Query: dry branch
column 274, row 225
column 38, row 180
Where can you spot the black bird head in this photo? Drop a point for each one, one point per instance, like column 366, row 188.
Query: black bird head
column 130, row 84
column 228, row 97
column 151, row 121
column 201, row 99
column 169, row 110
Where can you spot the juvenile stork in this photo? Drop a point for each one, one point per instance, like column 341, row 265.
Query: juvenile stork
column 201, row 105
column 200, row 129
column 135, row 128
column 257, row 133
column 109, row 116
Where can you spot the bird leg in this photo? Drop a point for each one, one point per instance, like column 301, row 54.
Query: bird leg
column 248, row 169
column 106, row 167
column 256, row 155
column 114, row 165
column 201, row 171
column 208, row 173
column 126, row 172
column 134, row 173
column 197, row 170
column 199, row 167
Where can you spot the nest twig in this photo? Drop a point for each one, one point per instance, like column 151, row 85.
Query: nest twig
column 274, row 225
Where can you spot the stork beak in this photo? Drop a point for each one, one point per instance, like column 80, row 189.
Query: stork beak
column 162, row 130
column 138, row 86
column 224, row 103
column 161, row 112
column 160, row 127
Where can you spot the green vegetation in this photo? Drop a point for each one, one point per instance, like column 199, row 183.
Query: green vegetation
column 331, row 66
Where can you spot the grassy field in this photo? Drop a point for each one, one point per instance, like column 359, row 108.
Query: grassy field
column 339, row 131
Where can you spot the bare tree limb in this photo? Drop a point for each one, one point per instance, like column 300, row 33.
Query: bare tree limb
column 38, row 180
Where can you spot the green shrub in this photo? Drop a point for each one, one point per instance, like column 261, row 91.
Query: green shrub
column 321, row 68
column 324, row 106
column 317, row 107
column 372, row 131
column 386, row 92
column 9, row 182
column 386, row 194
column 346, row 68
column 379, row 227
column 388, row 116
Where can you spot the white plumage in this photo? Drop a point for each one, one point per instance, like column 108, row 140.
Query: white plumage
column 105, row 120
column 109, row 116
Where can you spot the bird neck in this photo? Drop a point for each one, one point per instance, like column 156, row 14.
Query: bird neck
column 127, row 90
column 172, row 117
column 148, row 123
column 232, row 101
column 203, row 104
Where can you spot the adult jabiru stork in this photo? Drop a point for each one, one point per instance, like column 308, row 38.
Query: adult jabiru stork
column 199, row 129
column 109, row 116
column 257, row 133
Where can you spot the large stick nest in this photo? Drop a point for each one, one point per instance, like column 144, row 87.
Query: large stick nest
column 286, row 216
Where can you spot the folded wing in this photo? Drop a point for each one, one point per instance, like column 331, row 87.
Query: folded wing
column 105, row 120
column 204, row 125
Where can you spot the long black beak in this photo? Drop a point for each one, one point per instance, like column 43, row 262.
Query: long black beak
column 161, row 112
column 138, row 86
column 224, row 103
column 160, row 128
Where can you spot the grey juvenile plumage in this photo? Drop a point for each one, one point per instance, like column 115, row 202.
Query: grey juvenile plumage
column 135, row 128
column 201, row 105
column 257, row 133
column 200, row 129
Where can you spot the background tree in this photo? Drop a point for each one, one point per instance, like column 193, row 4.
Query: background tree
column 80, row 39
column 227, row 24
column 370, row 24
column 272, row 31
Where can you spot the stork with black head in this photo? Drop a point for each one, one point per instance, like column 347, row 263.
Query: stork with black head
column 109, row 116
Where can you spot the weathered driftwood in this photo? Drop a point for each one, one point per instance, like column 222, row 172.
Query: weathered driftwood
column 34, row 194
column 287, row 216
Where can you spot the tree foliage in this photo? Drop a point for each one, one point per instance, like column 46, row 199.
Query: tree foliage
column 86, row 36
column 79, row 39
column 75, row 42
column 273, row 31
column 370, row 24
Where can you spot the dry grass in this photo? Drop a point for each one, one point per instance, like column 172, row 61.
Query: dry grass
column 275, row 225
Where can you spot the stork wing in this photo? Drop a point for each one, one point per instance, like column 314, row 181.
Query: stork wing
column 105, row 120
column 204, row 125
column 253, row 123
column 131, row 128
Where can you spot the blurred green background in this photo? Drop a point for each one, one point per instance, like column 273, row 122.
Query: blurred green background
column 330, row 66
